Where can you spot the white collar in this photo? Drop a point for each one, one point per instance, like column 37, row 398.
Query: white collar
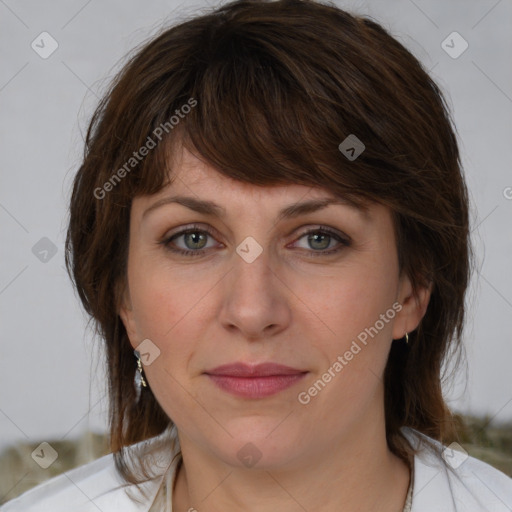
column 474, row 486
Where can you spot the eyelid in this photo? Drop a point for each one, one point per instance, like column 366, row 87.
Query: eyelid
column 328, row 230
column 188, row 228
column 212, row 231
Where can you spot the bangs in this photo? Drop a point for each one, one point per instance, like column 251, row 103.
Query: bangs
column 260, row 121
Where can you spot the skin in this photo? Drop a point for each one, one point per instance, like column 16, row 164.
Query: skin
column 287, row 307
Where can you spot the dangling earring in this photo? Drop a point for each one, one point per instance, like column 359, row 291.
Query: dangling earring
column 140, row 381
column 406, row 339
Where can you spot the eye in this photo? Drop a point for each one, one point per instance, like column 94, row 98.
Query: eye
column 321, row 239
column 193, row 241
column 189, row 242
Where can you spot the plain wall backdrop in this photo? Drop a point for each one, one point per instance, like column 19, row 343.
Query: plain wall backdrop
column 52, row 381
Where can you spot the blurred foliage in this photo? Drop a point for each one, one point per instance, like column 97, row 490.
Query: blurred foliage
column 19, row 472
column 483, row 440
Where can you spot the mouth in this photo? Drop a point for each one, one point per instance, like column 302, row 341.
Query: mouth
column 255, row 381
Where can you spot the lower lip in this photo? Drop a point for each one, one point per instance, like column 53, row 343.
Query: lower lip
column 256, row 387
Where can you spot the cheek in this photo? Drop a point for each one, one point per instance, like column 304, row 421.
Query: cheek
column 163, row 308
column 354, row 349
column 170, row 309
column 162, row 296
column 353, row 301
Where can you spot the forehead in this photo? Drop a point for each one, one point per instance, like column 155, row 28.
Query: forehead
column 190, row 175
column 200, row 186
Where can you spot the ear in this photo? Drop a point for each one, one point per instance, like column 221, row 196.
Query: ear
column 127, row 315
column 414, row 307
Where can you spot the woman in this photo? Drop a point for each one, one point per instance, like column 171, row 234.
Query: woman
column 270, row 230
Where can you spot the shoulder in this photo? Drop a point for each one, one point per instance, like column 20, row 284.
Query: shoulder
column 447, row 480
column 95, row 486
column 82, row 489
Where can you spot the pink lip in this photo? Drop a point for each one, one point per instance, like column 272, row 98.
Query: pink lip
column 255, row 381
column 253, row 370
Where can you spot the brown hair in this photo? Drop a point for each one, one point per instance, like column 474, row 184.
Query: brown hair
column 277, row 87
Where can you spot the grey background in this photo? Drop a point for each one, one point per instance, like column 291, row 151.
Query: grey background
column 51, row 369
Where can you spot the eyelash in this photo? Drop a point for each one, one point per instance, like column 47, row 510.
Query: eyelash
column 324, row 230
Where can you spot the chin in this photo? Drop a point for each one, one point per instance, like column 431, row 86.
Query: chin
column 259, row 444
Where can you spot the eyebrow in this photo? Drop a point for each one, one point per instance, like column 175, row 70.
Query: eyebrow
column 210, row 208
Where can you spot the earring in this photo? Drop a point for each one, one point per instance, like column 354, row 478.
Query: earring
column 140, row 381
column 406, row 338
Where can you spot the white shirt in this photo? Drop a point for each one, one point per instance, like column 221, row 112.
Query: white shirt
column 438, row 486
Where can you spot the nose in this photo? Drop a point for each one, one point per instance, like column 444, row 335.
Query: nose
column 255, row 301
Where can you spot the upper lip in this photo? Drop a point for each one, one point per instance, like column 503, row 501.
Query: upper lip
column 253, row 370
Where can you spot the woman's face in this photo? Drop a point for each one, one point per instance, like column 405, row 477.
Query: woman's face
column 257, row 287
